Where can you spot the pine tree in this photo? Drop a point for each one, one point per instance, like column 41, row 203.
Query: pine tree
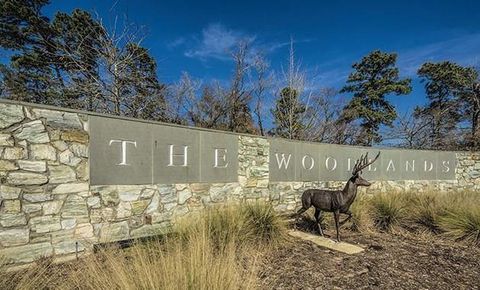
column 73, row 61
column 288, row 114
column 446, row 83
column 34, row 73
column 374, row 77
column 142, row 93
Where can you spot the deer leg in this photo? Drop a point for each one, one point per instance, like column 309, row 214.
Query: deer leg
column 349, row 213
column 336, row 215
column 318, row 218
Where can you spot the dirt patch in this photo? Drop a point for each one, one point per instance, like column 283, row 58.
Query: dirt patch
column 389, row 262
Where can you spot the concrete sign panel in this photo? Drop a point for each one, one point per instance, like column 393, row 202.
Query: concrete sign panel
column 130, row 152
column 120, row 152
column 325, row 162
column 219, row 156
column 133, row 152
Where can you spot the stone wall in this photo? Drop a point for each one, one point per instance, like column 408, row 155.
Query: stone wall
column 48, row 207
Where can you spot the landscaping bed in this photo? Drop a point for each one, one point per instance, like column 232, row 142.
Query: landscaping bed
column 388, row 262
column 410, row 241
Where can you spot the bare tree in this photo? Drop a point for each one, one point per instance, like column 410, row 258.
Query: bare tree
column 238, row 95
column 209, row 110
column 181, row 99
column 260, row 84
column 292, row 113
column 410, row 131
column 472, row 104
column 325, row 111
column 107, row 69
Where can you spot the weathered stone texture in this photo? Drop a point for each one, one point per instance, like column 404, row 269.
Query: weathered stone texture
column 35, row 166
column 10, row 114
column 27, row 253
column 58, row 119
column 26, row 178
column 33, row 132
column 48, row 206
column 43, row 201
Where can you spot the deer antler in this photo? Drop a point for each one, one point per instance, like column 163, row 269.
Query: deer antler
column 363, row 162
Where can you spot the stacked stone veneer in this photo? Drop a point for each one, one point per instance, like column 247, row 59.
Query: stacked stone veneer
column 47, row 206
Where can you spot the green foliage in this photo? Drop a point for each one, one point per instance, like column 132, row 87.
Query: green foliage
column 242, row 224
column 445, row 84
column 374, row 77
column 462, row 223
column 389, row 210
column 73, row 61
column 288, row 113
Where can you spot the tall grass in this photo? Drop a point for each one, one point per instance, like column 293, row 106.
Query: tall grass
column 455, row 215
column 361, row 214
column 462, row 223
column 213, row 250
column 389, row 210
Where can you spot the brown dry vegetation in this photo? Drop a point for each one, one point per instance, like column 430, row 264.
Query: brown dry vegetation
column 427, row 240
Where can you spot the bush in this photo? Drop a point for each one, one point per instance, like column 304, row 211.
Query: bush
column 243, row 224
column 388, row 210
column 462, row 223
column 361, row 217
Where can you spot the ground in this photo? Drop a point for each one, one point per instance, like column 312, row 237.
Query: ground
column 389, row 262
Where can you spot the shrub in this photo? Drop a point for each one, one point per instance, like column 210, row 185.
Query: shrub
column 462, row 223
column 361, row 218
column 388, row 210
column 426, row 210
column 263, row 224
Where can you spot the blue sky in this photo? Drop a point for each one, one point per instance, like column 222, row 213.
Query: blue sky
column 329, row 36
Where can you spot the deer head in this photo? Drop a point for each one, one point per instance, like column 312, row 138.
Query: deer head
column 361, row 164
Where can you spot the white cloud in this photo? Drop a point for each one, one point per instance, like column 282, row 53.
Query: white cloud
column 216, row 42
column 464, row 50
column 176, row 43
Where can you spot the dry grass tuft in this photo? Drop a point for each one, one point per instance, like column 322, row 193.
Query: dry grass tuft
column 214, row 250
column 362, row 218
column 455, row 215
column 388, row 210
column 462, row 223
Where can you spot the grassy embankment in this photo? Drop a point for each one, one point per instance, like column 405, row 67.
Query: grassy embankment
column 219, row 248
column 215, row 250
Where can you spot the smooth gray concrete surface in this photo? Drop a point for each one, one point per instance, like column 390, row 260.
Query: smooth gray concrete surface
column 107, row 155
column 128, row 152
column 334, row 162
column 184, row 165
column 219, row 157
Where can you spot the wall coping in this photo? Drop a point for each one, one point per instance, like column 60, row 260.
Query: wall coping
column 63, row 109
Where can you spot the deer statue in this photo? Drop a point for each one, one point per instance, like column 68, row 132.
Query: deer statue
column 336, row 201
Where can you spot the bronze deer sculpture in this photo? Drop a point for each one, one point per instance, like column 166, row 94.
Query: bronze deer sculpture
column 336, row 201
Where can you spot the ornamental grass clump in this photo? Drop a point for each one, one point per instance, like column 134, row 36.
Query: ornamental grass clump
column 263, row 224
column 388, row 210
column 214, row 249
column 426, row 209
column 244, row 224
column 462, row 223
column 361, row 218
